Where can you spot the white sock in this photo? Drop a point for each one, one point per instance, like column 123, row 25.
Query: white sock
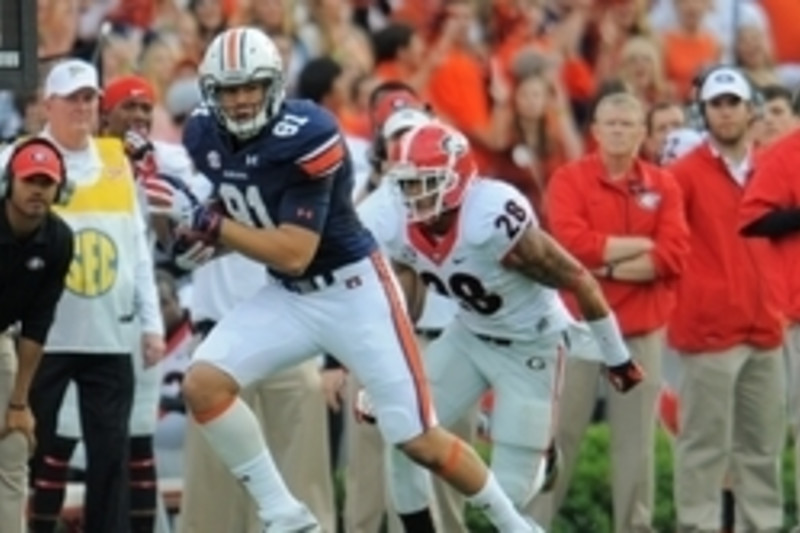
column 236, row 438
column 498, row 508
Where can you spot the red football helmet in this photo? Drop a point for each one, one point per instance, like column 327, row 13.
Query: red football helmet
column 432, row 166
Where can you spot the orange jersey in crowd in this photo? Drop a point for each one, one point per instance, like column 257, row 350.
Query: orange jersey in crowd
column 775, row 185
column 685, row 56
column 783, row 16
column 458, row 93
column 584, row 208
column 725, row 296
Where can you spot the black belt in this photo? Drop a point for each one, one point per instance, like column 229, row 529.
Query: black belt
column 204, row 326
column 308, row 285
column 429, row 334
column 497, row 341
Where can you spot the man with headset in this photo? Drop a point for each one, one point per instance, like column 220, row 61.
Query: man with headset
column 110, row 303
column 35, row 252
column 727, row 328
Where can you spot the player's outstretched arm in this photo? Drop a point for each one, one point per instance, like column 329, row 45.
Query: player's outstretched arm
column 537, row 255
column 413, row 289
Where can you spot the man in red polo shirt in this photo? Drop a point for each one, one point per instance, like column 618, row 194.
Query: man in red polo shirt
column 623, row 218
column 771, row 208
column 728, row 329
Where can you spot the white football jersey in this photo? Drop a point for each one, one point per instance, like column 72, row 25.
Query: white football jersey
column 438, row 310
column 466, row 265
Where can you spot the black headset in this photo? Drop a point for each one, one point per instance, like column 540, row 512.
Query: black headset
column 65, row 187
column 697, row 109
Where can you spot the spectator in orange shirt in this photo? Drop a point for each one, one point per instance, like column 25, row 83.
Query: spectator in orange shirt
column 728, row 330
column 401, row 55
column 623, row 218
column 690, row 48
column 458, row 88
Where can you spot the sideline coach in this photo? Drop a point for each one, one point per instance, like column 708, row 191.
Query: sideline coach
column 35, row 253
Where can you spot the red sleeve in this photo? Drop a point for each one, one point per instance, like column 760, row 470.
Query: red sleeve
column 769, row 188
column 568, row 220
column 578, row 79
column 682, row 177
column 672, row 235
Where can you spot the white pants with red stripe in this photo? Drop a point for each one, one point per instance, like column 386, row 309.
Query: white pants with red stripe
column 360, row 319
column 526, row 379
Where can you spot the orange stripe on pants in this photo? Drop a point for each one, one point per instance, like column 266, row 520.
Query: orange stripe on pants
column 408, row 341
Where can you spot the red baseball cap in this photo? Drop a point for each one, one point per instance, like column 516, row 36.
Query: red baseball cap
column 391, row 101
column 125, row 88
column 37, row 159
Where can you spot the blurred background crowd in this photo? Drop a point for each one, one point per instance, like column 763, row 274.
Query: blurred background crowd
column 518, row 77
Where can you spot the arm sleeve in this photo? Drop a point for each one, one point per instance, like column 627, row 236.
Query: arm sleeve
column 672, row 235
column 146, row 295
column 306, row 204
column 769, row 207
column 569, row 222
column 774, row 224
column 36, row 324
column 500, row 219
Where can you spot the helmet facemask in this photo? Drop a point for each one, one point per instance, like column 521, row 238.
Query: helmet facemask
column 244, row 128
column 422, row 190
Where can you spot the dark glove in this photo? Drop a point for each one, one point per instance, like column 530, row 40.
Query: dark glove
column 141, row 153
column 626, row 376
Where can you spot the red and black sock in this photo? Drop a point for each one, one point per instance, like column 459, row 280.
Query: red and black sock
column 143, row 484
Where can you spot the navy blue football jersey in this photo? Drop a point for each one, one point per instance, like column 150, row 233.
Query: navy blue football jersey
column 297, row 170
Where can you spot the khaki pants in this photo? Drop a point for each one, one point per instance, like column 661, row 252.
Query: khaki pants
column 792, row 351
column 291, row 408
column 366, row 492
column 632, row 418
column 732, row 420
column 13, row 450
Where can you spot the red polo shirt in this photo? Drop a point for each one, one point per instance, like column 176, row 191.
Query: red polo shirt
column 585, row 208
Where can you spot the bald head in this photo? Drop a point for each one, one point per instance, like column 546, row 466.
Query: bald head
column 619, row 126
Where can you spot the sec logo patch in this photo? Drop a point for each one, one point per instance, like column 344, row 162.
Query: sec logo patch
column 94, row 267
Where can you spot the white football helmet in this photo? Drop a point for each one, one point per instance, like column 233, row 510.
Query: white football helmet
column 240, row 56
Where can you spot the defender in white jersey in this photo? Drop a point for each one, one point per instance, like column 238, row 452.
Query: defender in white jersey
column 478, row 241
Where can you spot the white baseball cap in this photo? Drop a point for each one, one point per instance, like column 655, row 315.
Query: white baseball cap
column 69, row 76
column 723, row 81
column 404, row 119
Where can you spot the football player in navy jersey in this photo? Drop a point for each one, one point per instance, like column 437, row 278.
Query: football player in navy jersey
column 282, row 173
